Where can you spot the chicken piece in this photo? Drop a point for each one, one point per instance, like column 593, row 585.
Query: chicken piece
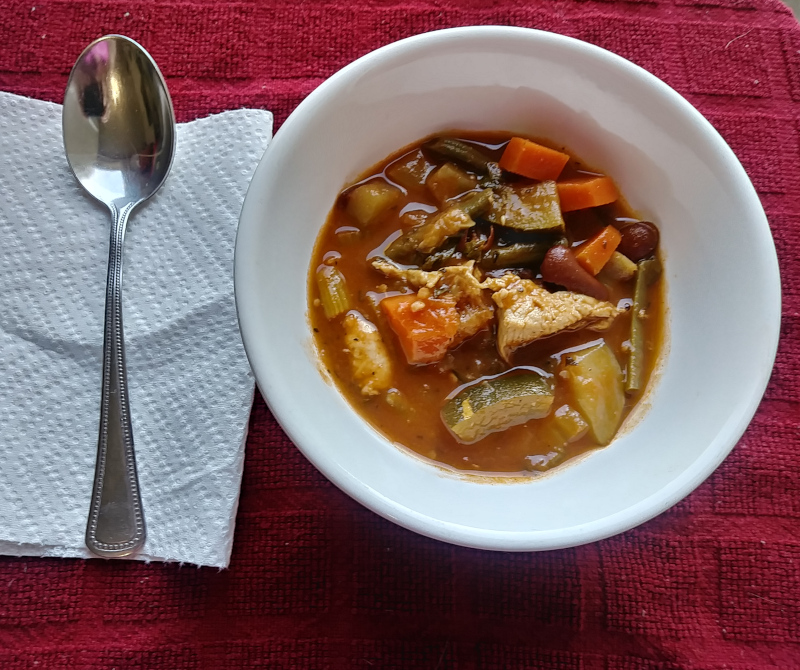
column 369, row 359
column 529, row 312
column 473, row 318
column 417, row 278
column 462, row 281
column 497, row 283
column 475, row 310
column 430, row 235
column 433, row 234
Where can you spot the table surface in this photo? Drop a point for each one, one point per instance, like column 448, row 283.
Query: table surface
column 316, row 581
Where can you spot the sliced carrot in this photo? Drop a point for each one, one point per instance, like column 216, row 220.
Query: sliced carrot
column 425, row 328
column 586, row 192
column 532, row 160
column 594, row 253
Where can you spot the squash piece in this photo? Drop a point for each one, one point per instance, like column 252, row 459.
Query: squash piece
column 368, row 202
column 619, row 268
column 563, row 426
column 411, row 170
column 595, row 379
column 448, row 181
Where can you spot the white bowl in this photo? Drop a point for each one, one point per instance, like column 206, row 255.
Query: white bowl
column 723, row 288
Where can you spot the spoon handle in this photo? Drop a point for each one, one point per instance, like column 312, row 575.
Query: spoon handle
column 116, row 523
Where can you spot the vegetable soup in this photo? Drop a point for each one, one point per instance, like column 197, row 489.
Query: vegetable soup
column 488, row 302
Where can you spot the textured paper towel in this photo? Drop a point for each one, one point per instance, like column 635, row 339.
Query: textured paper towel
column 190, row 385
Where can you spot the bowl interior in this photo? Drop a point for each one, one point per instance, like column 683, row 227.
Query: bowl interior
column 672, row 167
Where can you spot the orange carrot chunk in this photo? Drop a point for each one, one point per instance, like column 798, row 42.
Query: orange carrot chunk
column 586, row 192
column 594, row 253
column 532, row 160
column 424, row 328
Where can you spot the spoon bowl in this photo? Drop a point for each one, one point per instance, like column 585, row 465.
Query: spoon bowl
column 118, row 122
column 119, row 138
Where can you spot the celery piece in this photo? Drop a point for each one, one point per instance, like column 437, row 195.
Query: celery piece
column 495, row 404
column 368, row 202
column 595, row 379
column 529, row 208
column 649, row 271
column 332, row 291
column 448, row 181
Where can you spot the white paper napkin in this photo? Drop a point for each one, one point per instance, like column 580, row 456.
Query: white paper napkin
column 189, row 381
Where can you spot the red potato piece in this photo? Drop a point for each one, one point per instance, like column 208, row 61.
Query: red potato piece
column 638, row 240
column 561, row 267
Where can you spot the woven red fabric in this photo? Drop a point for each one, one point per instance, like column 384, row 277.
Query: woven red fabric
column 318, row 582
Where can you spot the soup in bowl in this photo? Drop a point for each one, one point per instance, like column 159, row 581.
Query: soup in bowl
column 713, row 336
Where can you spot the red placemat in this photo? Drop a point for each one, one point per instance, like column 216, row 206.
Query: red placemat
column 318, row 582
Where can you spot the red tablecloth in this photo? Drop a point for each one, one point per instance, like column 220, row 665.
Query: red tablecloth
column 318, row 582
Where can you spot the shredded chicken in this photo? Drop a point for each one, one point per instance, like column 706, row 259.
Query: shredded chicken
column 497, row 283
column 414, row 277
column 475, row 310
column 528, row 312
column 433, row 234
column 369, row 359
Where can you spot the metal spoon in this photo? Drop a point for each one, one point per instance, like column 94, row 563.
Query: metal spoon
column 119, row 136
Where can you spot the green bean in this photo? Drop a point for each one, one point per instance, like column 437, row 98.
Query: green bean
column 441, row 257
column 648, row 272
column 403, row 249
column 476, row 203
column 520, row 254
column 461, row 152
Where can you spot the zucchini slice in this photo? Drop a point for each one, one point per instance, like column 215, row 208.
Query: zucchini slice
column 495, row 404
column 529, row 208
